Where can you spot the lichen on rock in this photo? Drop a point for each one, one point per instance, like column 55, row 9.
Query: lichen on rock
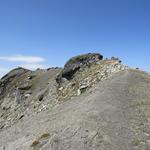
column 75, row 63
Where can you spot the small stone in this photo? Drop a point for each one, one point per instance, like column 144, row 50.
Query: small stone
column 60, row 89
column 83, row 87
column 21, row 117
column 29, row 77
column 40, row 97
column 78, row 92
column 2, row 126
column 146, row 134
column 27, row 95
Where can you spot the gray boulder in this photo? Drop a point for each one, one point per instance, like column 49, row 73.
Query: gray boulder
column 6, row 82
column 75, row 63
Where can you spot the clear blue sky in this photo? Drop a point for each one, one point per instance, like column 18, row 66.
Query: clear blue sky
column 56, row 30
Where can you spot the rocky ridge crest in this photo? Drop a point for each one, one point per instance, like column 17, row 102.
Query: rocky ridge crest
column 24, row 92
column 78, row 74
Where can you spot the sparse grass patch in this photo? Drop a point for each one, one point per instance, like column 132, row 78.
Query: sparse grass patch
column 136, row 142
column 45, row 135
column 39, row 141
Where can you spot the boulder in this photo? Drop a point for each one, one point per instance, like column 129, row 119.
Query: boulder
column 75, row 63
column 6, row 82
column 14, row 73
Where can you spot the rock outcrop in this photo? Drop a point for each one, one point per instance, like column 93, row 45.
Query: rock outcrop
column 25, row 92
column 75, row 63
column 82, row 72
column 6, row 82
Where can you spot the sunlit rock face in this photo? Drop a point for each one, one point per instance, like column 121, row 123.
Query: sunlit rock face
column 75, row 63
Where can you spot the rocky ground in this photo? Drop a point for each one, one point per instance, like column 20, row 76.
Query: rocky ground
column 25, row 92
column 90, row 104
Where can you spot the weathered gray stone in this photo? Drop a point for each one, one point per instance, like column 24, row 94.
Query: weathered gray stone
column 75, row 63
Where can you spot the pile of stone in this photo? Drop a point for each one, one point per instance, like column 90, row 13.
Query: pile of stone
column 80, row 74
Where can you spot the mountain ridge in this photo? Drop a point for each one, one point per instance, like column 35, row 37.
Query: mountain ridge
column 103, row 106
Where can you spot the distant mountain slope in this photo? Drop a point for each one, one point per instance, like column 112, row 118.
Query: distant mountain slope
column 113, row 115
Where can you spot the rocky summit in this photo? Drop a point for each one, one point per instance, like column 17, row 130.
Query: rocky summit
column 92, row 103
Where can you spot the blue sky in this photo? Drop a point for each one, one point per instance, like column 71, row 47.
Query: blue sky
column 45, row 33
